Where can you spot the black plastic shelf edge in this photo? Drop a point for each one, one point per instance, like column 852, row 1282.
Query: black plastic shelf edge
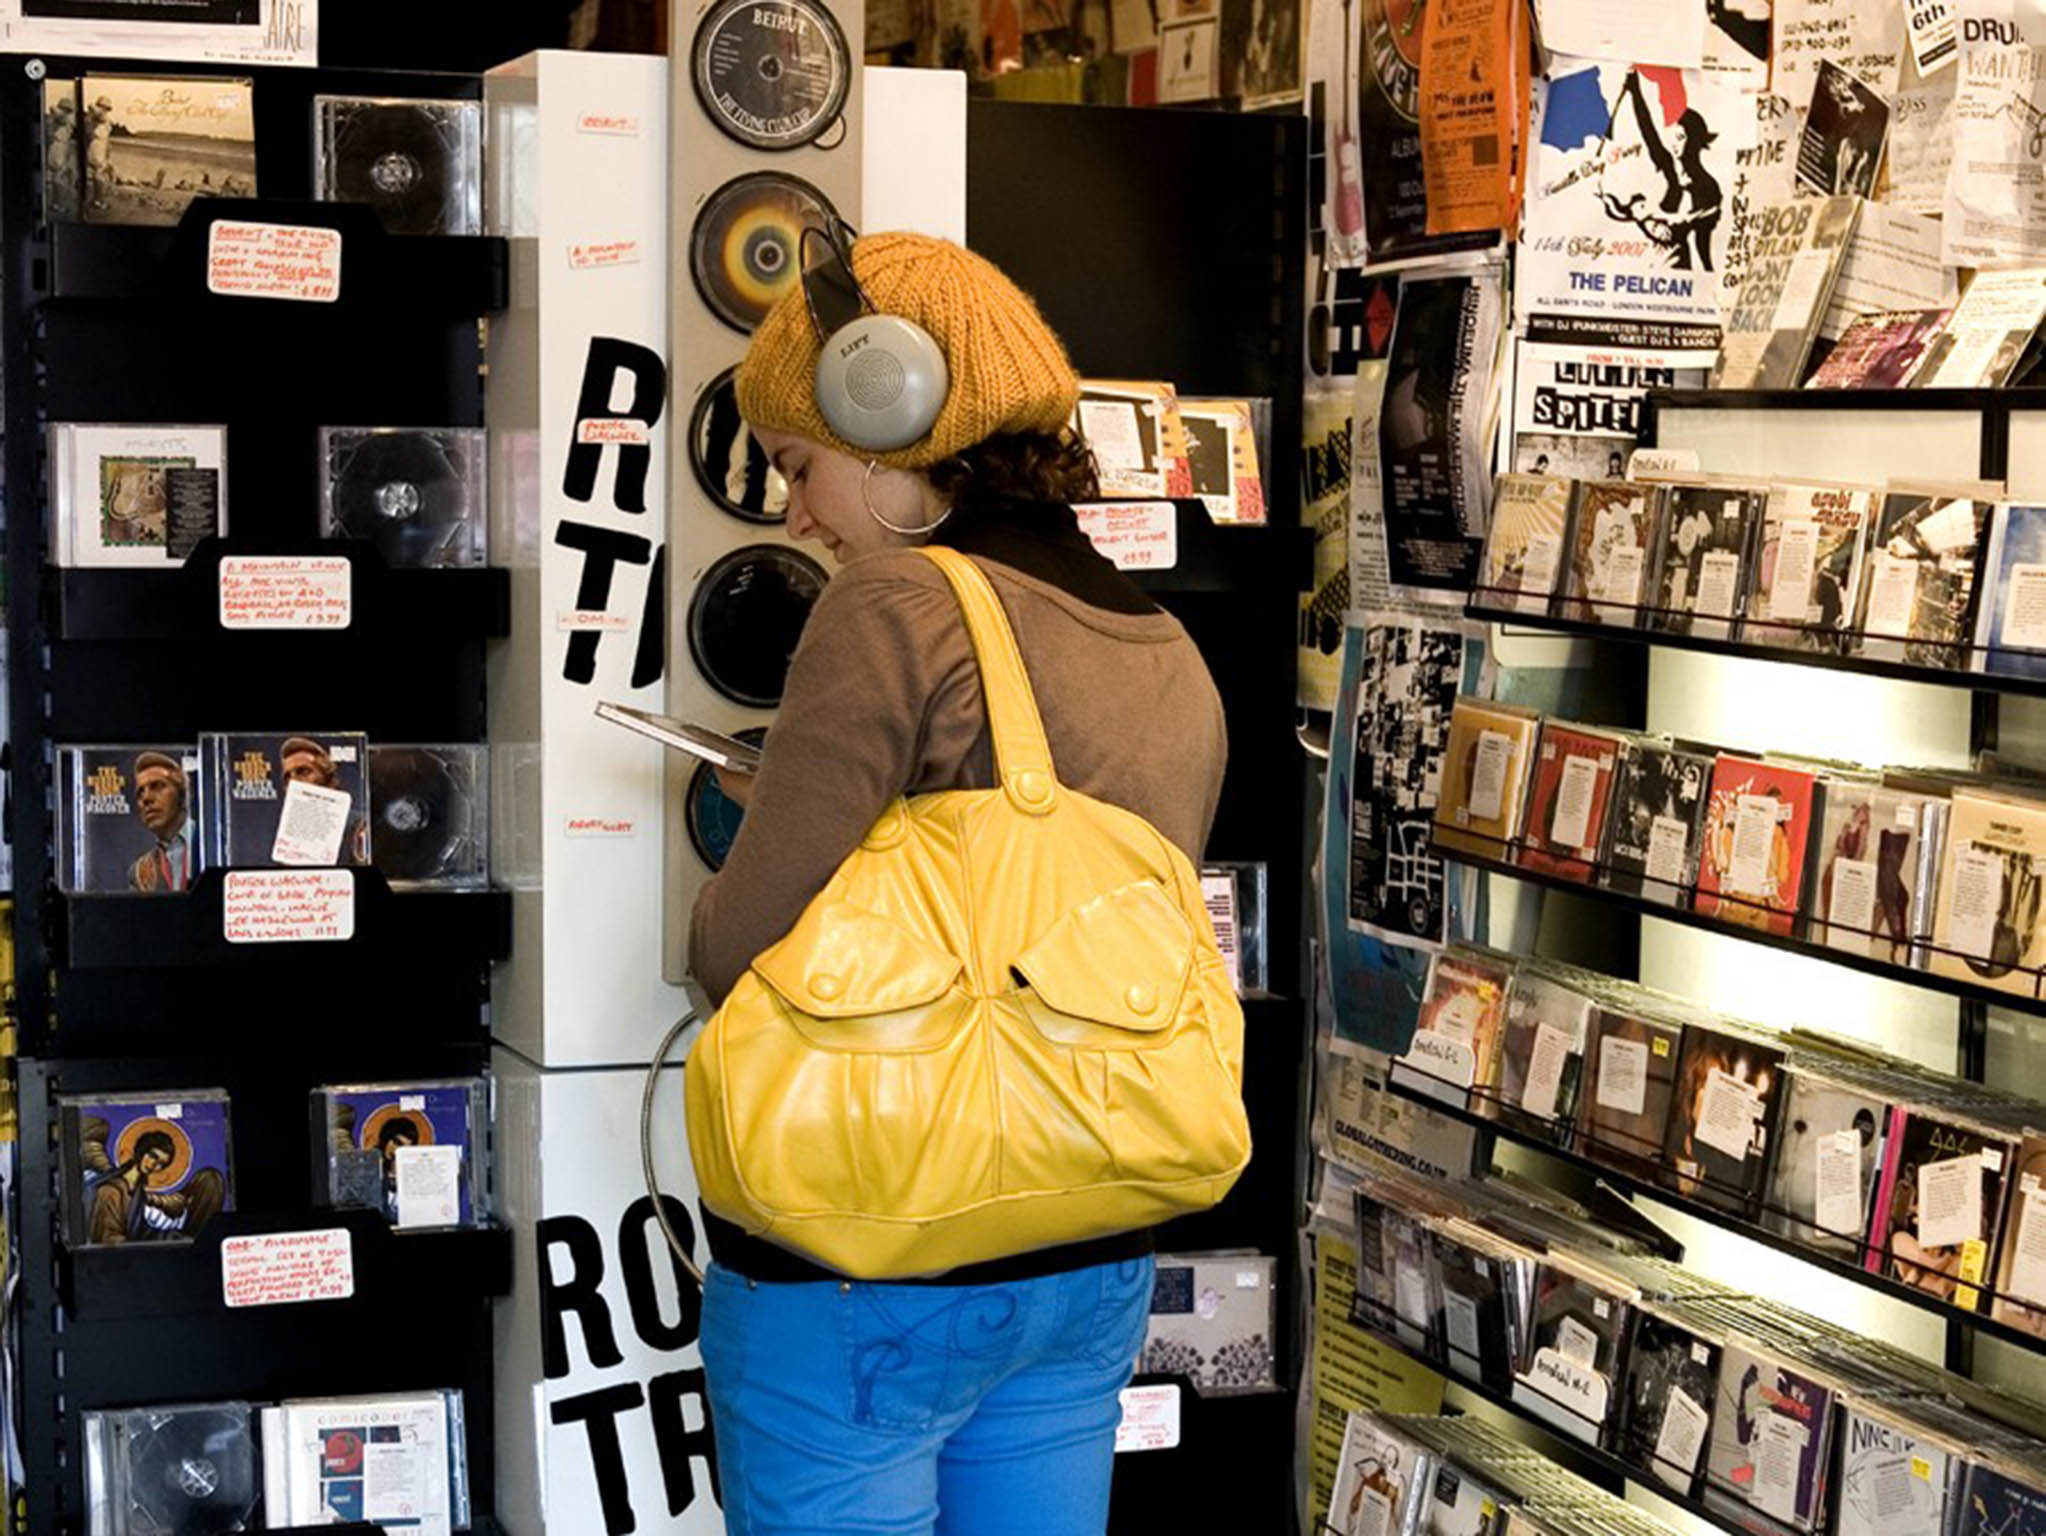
column 1626, row 1183
column 1684, row 917
column 1974, row 682
column 2031, row 398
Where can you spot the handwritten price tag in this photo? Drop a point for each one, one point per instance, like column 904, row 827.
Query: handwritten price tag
column 289, row 906
column 1136, row 535
column 273, row 261
column 285, row 592
column 1150, row 1419
column 282, row 1267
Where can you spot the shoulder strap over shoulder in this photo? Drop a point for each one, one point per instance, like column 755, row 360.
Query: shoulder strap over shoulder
column 1022, row 755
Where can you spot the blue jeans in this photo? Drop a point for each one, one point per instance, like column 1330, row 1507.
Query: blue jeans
column 903, row 1410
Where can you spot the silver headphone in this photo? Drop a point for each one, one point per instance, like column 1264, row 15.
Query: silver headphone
column 881, row 379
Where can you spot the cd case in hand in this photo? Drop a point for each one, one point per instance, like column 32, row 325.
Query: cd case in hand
column 416, row 493
column 127, row 820
column 415, row 1151
column 143, row 1168
column 720, row 751
column 429, row 814
column 418, row 163
column 182, row 1470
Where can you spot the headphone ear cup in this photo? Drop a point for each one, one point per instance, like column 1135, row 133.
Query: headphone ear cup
column 881, row 383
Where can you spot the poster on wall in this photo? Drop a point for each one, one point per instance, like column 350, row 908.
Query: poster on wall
column 1262, row 52
column 1995, row 208
column 1577, row 411
column 1865, row 40
column 1435, row 429
column 1627, row 228
column 198, row 31
column 1764, row 174
column 1737, row 41
column 1325, row 469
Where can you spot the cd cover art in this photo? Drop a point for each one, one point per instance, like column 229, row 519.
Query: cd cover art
column 153, row 143
column 2020, row 1275
column 1524, row 548
column 1728, row 1088
column 1867, row 901
column 63, row 151
column 1212, row 1322
column 1656, row 821
column 1824, row 1173
column 1885, row 350
column 187, row 1469
column 1708, row 543
column 1987, row 928
column 1893, row 1479
column 1918, row 598
column 1372, row 1480
column 2009, row 628
column 123, row 496
column 127, row 820
column 1771, row 1434
column 1573, row 790
column 1752, row 861
column 1462, row 1014
column 430, row 815
column 418, row 494
column 418, row 163
column 1137, row 436
column 2000, row 1501
column 140, row 1169
column 1631, row 1081
column 275, row 801
column 348, row 1460
column 411, row 1150
column 1541, row 1054
column 1612, row 551
column 1478, row 1303
column 1939, row 1208
column 1808, row 572
column 1485, row 777
column 1221, row 451
column 1579, row 1335
column 1672, row 1381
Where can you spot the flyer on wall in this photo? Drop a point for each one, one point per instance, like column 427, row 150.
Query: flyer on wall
column 1626, row 230
column 1764, row 174
column 1435, row 430
column 1995, row 213
column 1577, row 411
column 195, row 31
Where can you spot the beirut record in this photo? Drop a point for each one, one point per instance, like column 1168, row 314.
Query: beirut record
column 712, row 816
column 404, row 492
column 746, row 617
column 420, row 815
column 730, row 464
column 746, row 250
column 194, row 1474
column 772, row 74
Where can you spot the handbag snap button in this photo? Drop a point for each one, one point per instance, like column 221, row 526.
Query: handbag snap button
column 1033, row 788
column 826, row 987
column 1141, row 999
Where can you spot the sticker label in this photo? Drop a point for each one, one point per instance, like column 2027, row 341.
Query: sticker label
column 1218, row 894
column 1575, row 799
column 1977, row 896
column 1577, row 1343
column 1853, row 907
column 1797, row 553
column 1150, row 1419
column 1754, row 839
column 1892, row 596
column 429, row 1181
column 312, row 825
column 1779, row 1453
column 1719, row 579
column 1460, row 1322
column 618, row 431
column 584, row 254
column 600, row 826
column 285, row 592
column 278, row 1268
column 273, row 261
column 1538, row 574
column 1950, row 1202
column 1622, row 583
column 1134, row 535
column 1681, row 1438
column 619, row 125
column 570, row 621
column 1837, row 1202
column 1488, row 775
column 2028, row 1253
column 1726, row 1119
column 1669, row 846
column 1623, row 1076
column 288, row 906
column 1552, row 1049
column 2024, row 608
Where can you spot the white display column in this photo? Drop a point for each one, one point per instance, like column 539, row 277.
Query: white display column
column 602, row 1425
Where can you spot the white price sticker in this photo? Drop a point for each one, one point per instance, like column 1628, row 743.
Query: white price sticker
column 1680, row 1439
column 1538, row 574
column 1719, row 578
column 2024, row 609
column 1950, row 1202
column 1623, row 1076
column 1488, row 775
column 1852, row 909
column 1575, row 801
column 286, row 592
column 1749, row 873
column 1892, row 596
column 1727, row 1117
column 1797, row 556
column 1150, row 1419
column 1552, row 1050
column 312, row 825
column 1837, row 1202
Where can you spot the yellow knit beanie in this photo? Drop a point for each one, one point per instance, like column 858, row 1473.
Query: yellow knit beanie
column 1008, row 371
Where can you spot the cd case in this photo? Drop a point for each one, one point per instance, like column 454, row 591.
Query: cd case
column 429, row 809
column 285, row 800
column 154, row 143
column 417, row 493
column 134, row 496
column 418, row 163
column 396, row 1460
column 127, row 820
column 175, row 1470
column 1235, row 897
column 418, row 1152
column 1211, row 1322
column 143, row 1168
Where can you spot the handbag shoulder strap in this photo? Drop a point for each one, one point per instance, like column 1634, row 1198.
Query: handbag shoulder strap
column 1022, row 755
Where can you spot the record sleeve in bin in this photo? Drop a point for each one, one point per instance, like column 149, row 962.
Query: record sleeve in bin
column 417, row 493
column 398, row 1459
column 129, row 496
column 418, row 163
column 1211, row 1322
column 429, row 814
column 418, row 1152
column 142, row 1168
column 285, row 800
column 183, row 1470
column 1235, row 898
column 127, row 820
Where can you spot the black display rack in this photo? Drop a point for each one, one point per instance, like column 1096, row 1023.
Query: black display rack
column 113, row 324
column 1131, row 298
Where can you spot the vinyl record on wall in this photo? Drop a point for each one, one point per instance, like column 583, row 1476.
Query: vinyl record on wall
column 729, row 462
column 746, row 617
column 712, row 817
column 773, row 74
column 746, row 249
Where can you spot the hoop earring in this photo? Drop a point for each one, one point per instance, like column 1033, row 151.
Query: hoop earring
column 867, row 501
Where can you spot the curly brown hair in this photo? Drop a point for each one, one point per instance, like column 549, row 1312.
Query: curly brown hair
column 1032, row 466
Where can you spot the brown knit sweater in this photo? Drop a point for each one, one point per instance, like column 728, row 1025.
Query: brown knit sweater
column 884, row 697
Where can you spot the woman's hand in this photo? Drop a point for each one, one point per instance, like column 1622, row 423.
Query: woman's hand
column 735, row 784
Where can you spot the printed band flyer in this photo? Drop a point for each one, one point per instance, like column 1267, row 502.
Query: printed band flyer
column 1627, row 221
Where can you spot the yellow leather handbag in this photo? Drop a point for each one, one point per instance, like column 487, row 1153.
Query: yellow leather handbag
column 1003, row 1025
